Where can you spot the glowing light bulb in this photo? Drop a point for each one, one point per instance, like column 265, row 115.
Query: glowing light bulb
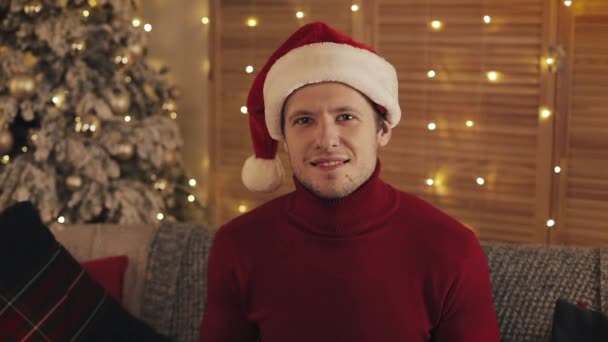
column 86, row 13
column 191, row 198
column 431, row 74
column 136, row 22
column 354, row 8
column 242, row 208
column 205, row 20
column 244, row 109
column 58, row 99
column 568, row 3
column 430, row 182
column 550, row 60
column 252, row 22
column 148, row 27
column 550, row 223
column 160, row 216
column 61, row 219
column 173, row 115
column 249, row 69
column 299, row 14
column 6, row 159
column 557, row 169
column 432, row 126
column 127, row 118
column 24, row 149
column 192, row 182
column 487, row 19
column 545, row 113
column 492, row 76
column 436, row 24
column 481, row 181
column 470, row 123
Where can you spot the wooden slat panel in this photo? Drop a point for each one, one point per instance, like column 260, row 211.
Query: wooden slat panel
column 585, row 200
column 501, row 147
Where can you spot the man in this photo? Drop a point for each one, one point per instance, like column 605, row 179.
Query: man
column 345, row 257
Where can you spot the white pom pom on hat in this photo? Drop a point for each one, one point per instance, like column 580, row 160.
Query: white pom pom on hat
column 314, row 53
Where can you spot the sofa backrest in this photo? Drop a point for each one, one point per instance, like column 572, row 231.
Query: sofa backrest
column 165, row 283
column 86, row 242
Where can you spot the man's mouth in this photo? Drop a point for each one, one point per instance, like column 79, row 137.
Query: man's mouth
column 328, row 163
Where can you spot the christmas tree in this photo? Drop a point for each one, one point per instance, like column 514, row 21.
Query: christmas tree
column 87, row 124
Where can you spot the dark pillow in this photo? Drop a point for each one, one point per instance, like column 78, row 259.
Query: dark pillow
column 573, row 323
column 46, row 295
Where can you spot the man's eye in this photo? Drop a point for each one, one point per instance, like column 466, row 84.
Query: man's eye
column 302, row 121
column 345, row 117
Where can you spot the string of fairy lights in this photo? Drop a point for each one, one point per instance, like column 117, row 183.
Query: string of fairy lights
column 550, row 61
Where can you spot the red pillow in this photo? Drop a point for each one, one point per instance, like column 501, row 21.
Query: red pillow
column 109, row 272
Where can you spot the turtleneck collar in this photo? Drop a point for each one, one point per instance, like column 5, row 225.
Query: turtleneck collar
column 363, row 210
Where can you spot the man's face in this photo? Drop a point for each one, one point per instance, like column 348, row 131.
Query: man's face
column 332, row 138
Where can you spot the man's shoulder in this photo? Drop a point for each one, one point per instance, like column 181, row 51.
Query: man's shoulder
column 433, row 223
column 262, row 217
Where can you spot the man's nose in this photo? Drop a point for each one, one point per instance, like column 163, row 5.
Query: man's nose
column 328, row 134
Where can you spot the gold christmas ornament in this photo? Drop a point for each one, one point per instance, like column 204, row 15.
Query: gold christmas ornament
column 125, row 151
column 73, row 182
column 32, row 8
column 30, row 59
column 149, row 91
column 161, row 185
column 22, row 87
column 32, row 137
column 137, row 51
column 169, row 106
column 170, row 158
column 6, row 141
column 78, row 47
column 123, row 59
column 120, row 102
column 88, row 125
column 59, row 98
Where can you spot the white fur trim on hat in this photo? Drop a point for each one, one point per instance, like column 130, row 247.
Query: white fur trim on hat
column 361, row 69
column 262, row 175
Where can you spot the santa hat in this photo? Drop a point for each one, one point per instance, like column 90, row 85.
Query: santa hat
column 315, row 53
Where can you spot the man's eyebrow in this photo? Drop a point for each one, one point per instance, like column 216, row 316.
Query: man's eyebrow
column 340, row 109
column 343, row 109
column 299, row 112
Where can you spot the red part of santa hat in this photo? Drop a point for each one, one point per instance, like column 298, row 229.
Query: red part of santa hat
column 315, row 53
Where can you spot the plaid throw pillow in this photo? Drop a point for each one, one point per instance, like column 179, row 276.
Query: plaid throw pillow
column 45, row 295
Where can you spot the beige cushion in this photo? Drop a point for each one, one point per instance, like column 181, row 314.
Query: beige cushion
column 86, row 242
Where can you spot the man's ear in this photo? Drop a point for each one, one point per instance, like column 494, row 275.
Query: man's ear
column 384, row 134
column 285, row 147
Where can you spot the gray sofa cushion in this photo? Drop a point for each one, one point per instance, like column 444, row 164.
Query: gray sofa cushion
column 175, row 289
column 527, row 280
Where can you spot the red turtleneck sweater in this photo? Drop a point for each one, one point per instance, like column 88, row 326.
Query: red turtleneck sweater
column 377, row 265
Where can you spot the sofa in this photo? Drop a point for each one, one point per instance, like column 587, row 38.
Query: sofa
column 164, row 283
